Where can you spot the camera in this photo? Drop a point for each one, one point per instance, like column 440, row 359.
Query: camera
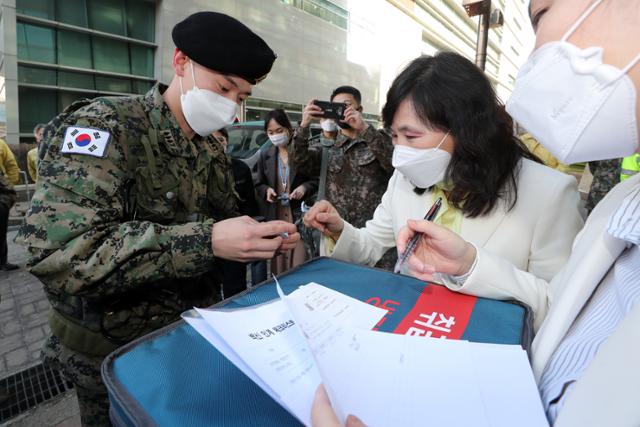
column 284, row 199
column 332, row 110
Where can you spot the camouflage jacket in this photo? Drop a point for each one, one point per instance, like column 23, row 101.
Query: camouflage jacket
column 358, row 170
column 132, row 225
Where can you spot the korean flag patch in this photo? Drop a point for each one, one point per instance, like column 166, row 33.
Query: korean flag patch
column 92, row 142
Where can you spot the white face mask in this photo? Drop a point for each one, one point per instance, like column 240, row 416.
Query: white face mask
column 424, row 167
column 579, row 108
column 204, row 110
column 279, row 139
column 328, row 125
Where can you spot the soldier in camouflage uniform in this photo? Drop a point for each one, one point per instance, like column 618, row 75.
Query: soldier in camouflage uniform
column 129, row 214
column 606, row 174
column 359, row 162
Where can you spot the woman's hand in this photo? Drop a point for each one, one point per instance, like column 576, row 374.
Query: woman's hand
column 271, row 195
column 324, row 217
column 298, row 193
column 323, row 415
column 439, row 250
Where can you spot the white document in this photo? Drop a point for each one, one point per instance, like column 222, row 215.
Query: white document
column 265, row 342
column 318, row 335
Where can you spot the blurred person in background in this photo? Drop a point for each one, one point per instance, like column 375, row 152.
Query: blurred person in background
column 283, row 185
column 32, row 155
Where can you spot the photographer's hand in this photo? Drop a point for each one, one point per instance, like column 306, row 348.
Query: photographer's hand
column 310, row 114
column 354, row 118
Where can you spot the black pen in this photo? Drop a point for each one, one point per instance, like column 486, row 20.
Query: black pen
column 430, row 216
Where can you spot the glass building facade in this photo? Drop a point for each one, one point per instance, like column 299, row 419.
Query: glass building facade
column 72, row 49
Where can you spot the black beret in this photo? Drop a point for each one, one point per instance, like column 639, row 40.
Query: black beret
column 224, row 44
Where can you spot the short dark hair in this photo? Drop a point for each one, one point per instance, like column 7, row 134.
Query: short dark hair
column 280, row 116
column 38, row 127
column 347, row 89
column 450, row 93
column 224, row 133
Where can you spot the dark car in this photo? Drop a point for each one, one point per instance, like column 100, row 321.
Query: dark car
column 247, row 139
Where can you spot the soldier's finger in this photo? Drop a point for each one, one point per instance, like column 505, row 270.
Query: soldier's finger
column 274, row 228
column 264, row 245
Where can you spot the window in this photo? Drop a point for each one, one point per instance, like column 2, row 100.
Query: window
column 33, row 75
column 36, row 106
column 38, row 8
column 73, row 12
column 111, row 55
column 113, row 84
column 79, row 80
column 141, row 86
column 36, row 43
column 324, row 10
column 130, row 18
column 67, row 98
column 74, row 49
column 140, row 20
column 107, row 16
column 141, row 60
column 93, row 56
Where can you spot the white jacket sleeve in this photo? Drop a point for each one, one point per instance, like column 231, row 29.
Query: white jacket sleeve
column 367, row 245
column 556, row 229
column 554, row 234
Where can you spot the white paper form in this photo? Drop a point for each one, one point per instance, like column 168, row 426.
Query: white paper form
column 271, row 346
column 389, row 380
column 508, row 386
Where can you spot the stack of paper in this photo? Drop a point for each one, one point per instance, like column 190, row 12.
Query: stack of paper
column 291, row 345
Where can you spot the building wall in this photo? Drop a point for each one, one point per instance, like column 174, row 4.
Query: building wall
column 315, row 56
column 9, row 69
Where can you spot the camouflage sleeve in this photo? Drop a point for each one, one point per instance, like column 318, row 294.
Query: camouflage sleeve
column 379, row 142
column 303, row 157
column 76, row 231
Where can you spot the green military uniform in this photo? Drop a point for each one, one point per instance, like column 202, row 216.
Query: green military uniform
column 122, row 242
column 358, row 171
column 357, row 175
column 606, row 174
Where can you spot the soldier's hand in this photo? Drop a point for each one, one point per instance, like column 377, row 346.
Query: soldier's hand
column 324, row 217
column 298, row 193
column 245, row 239
column 354, row 119
column 310, row 114
column 271, row 195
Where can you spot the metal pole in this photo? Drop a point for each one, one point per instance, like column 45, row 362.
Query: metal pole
column 483, row 36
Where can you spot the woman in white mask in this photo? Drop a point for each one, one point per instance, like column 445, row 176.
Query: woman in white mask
column 578, row 95
column 281, row 187
column 454, row 141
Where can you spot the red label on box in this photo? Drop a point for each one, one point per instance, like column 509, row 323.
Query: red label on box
column 438, row 313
